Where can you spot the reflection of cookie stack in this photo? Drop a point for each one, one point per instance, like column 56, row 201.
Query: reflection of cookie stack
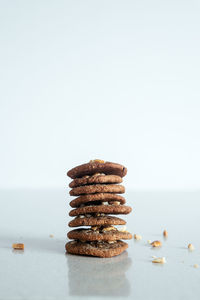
column 106, row 277
column 97, row 186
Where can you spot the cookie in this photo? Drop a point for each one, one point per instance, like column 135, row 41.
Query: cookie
column 100, row 249
column 95, row 179
column 106, row 209
column 97, row 188
column 103, row 197
column 97, row 166
column 92, row 221
column 99, row 234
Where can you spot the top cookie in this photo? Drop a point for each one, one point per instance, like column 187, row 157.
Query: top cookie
column 95, row 179
column 97, row 166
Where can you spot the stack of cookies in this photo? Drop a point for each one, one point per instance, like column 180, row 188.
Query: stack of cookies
column 96, row 186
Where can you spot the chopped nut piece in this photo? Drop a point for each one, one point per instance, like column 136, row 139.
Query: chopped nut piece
column 137, row 237
column 196, row 266
column 98, row 161
column 156, row 244
column 190, row 247
column 99, row 215
column 95, row 228
column 159, row 260
column 109, row 228
column 88, row 215
column 115, row 203
column 149, row 241
column 111, row 242
column 18, row 246
column 51, row 235
column 165, row 233
column 105, row 203
column 123, row 229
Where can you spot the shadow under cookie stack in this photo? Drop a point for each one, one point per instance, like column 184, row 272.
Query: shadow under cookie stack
column 96, row 186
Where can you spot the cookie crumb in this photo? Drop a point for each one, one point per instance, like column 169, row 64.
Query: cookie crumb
column 156, row 244
column 123, row 229
column 137, row 237
column 51, row 235
column 108, row 228
column 95, row 228
column 165, row 233
column 149, row 241
column 159, row 260
column 196, row 266
column 115, row 203
column 19, row 246
column 190, row 247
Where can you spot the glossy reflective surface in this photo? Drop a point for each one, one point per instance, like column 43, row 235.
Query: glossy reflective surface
column 44, row 271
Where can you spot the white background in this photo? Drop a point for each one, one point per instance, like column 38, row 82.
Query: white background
column 115, row 80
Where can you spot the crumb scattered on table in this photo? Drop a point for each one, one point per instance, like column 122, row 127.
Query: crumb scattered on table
column 18, row 246
column 190, row 247
column 137, row 237
column 156, row 244
column 165, row 233
column 159, row 260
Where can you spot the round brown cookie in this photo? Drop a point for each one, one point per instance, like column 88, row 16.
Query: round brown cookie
column 99, row 235
column 97, row 188
column 106, row 209
column 95, row 179
column 97, row 166
column 100, row 249
column 92, row 221
column 104, row 197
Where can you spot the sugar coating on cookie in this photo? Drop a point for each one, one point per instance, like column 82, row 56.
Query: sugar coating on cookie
column 88, row 220
column 95, row 179
column 97, row 188
column 99, row 233
column 102, row 197
column 106, row 209
column 97, row 167
column 100, row 249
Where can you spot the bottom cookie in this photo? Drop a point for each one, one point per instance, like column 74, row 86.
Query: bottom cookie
column 100, row 249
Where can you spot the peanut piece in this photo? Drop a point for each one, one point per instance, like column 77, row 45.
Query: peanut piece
column 156, row 244
column 165, row 233
column 190, row 247
column 18, row 246
column 137, row 237
column 159, row 260
column 97, row 160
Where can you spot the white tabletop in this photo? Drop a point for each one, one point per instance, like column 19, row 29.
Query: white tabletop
column 44, row 271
